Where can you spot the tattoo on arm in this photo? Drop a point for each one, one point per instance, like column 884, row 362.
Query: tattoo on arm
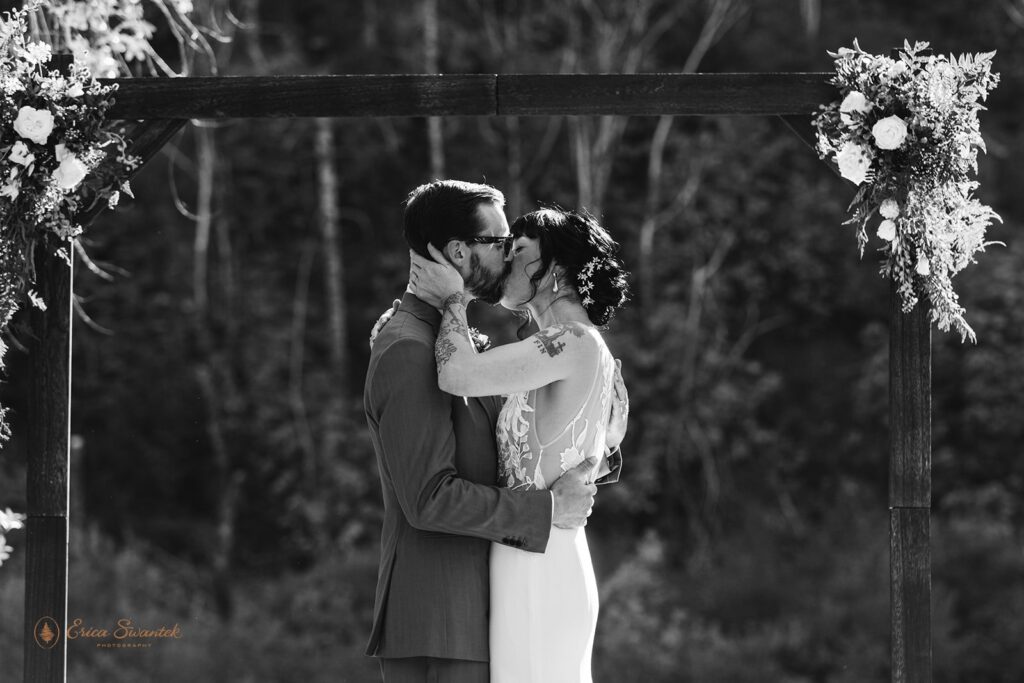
column 453, row 326
column 443, row 351
column 547, row 340
column 451, row 300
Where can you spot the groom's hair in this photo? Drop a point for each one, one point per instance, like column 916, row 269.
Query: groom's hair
column 445, row 210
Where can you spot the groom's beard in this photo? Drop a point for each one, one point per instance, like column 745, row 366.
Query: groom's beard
column 484, row 285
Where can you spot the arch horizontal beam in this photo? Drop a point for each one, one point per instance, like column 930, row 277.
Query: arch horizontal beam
column 738, row 94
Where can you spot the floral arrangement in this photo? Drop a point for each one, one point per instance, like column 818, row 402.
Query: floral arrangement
column 481, row 342
column 905, row 131
column 9, row 521
column 52, row 140
column 110, row 37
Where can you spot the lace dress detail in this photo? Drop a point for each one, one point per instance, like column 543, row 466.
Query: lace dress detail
column 544, row 606
column 521, row 455
column 516, row 465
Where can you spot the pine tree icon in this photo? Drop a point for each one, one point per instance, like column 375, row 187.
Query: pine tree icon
column 47, row 632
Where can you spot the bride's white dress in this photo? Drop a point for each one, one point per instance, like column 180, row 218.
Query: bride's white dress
column 544, row 605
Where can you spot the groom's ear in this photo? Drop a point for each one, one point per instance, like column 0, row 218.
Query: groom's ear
column 456, row 252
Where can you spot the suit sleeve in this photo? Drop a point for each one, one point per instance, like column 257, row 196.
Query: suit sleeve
column 417, row 441
column 613, row 463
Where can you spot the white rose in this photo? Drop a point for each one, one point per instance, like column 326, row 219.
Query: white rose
column 855, row 101
column 34, row 124
column 889, row 208
column 75, row 90
column 853, row 162
column 887, row 230
column 890, row 132
column 70, row 172
column 923, row 268
column 21, row 155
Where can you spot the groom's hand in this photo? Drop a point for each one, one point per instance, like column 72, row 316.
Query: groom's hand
column 574, row 496
column 434, row 279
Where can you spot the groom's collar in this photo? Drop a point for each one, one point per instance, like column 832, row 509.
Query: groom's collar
column 421, row 309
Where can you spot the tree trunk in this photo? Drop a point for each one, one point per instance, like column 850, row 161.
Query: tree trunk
column 435, row 132
column 720, row 17
column 297, row 344
column 579, row 138
column 205, row 370
column 650, row 223
column 371, row 24
column 514, row 192
column 251, row 11
column 334, row 273
column 334, row 288
column 810, row 12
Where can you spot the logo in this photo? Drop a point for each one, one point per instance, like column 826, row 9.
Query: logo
column 46, row 632
column 125, row 635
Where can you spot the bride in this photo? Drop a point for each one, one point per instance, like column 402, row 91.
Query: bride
column 563, row 274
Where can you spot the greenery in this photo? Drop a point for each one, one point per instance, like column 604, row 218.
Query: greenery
column 222, row 477
column 52, row 138
column 906, row 131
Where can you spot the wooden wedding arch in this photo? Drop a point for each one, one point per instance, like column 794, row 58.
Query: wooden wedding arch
column 161, row 106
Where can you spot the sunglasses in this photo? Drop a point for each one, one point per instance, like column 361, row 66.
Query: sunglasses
column 505, row 242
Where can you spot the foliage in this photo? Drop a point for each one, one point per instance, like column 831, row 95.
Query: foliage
column 315, row 616
column 52, row 137
column 747, row 537
column 906, row 131
column 114, row 38
column 9, row 521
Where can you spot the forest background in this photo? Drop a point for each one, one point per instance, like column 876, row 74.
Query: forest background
column 222, row 474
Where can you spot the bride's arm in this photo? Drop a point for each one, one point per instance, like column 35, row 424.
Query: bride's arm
column 548, row 356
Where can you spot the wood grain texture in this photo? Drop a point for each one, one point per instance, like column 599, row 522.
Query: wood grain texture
column 48, row 434
column 741, row 94
column 292, row 96
column 146, row 139
column 471, row 95
column 910, row 594
column 50, row 388
column 46, row 571
column 910, row 404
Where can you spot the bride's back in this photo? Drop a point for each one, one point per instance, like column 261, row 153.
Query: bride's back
column 544, row 432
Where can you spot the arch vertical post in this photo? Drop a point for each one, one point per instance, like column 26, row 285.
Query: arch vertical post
column 49, row 431
column 910, row 492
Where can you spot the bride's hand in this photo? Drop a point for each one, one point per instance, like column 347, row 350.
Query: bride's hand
column 433, row 281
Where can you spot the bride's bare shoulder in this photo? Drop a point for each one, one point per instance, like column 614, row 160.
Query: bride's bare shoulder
column 568, row 338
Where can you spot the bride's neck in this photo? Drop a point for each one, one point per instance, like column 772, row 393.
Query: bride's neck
column 558, row 310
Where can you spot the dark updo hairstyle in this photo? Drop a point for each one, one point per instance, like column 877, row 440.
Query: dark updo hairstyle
column 578, row 243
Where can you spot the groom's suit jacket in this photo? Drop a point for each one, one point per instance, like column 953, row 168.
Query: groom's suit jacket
column 437, row 459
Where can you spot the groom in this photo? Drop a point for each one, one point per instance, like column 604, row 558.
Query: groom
column 437, row 460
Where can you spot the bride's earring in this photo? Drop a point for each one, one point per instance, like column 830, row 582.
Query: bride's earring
column 555, row 288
